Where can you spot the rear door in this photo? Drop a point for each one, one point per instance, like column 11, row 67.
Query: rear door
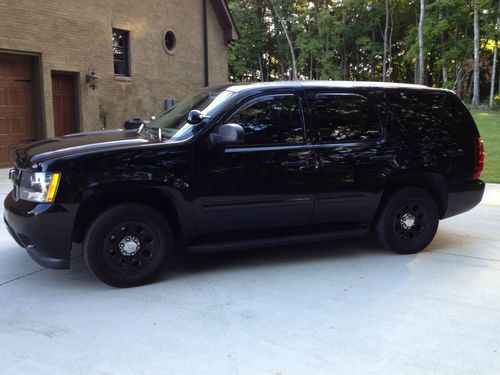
column 354, row 157
column 266, row 183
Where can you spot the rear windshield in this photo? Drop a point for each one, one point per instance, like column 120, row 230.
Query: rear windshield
column 432, row 115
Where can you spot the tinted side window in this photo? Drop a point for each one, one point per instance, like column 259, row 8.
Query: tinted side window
column 426, row 116
column 461, row 118
column 344, row 118
column 274, row 120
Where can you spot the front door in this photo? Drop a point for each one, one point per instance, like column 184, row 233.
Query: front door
column 17, row 104
column 64, row 103
column 267, row 182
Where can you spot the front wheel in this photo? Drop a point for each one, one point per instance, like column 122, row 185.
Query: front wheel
column 127, row 245
column 408, row 221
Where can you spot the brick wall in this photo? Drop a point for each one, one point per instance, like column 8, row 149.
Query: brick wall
column 74, row 34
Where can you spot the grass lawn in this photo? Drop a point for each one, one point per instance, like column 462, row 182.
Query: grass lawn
column 488, row 123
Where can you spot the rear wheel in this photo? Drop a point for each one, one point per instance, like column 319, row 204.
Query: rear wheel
column 127, row 245
column 408, row 221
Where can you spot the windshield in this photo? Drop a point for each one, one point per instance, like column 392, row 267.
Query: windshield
column 173, row 122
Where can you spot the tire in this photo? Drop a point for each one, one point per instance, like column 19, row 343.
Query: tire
column 408, row 221
column 127, row 245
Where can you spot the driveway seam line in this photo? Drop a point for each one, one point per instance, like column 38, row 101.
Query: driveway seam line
column 467, row 256
column 22, row 276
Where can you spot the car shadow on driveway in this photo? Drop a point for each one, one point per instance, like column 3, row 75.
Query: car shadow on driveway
column 271, row 259
column 277, row 255
column 352, row 254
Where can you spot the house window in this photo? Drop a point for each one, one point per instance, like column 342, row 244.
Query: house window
column 121, row 54
column 169, row 42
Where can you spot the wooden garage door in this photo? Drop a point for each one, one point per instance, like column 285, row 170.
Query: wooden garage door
column 63, row 98
column 17, row 105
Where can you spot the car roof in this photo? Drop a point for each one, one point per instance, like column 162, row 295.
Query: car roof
column 326, row 84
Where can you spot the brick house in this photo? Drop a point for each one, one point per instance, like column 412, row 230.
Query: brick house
column 81, row 65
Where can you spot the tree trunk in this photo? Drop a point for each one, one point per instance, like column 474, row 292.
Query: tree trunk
column 444, row 68
column 493, row 72
column 494, row 65
column 475, row 92
column 311, row 68
column 471, row 84
column 389, row 56
column 288, row 39
column 343, row 59
column 421, row 51
column 386, row 36
column 457, row 70
column 260, row 68
column 457, row 85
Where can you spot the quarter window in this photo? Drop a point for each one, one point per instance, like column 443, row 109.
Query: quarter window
column 427, row 116
column 272, row 121
column 344, row 118
column 121, row 48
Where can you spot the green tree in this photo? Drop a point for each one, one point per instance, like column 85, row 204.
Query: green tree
column 366, row 40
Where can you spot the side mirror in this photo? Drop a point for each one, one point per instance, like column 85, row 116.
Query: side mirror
column 133, row 124
column 228, row 134
column 195, row 117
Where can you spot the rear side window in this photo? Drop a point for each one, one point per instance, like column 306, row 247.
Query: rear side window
column 272, row 120
column 436, row 115
column 345, row 118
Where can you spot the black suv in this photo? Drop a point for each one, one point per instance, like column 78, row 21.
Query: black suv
column 250, row 165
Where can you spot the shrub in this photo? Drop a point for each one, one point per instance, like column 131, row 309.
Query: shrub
column 496, row 102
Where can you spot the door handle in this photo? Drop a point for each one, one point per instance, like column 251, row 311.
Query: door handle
column 297, row 163
column 382, row 157
column 301, row 164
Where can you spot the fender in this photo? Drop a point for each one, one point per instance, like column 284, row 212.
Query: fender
column 158, row 176
column 167, row 200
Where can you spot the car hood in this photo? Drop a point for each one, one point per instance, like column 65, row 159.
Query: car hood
column 73, row 144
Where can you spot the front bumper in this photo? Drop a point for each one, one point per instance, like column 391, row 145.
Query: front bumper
column 463, row 196
column 44, row 230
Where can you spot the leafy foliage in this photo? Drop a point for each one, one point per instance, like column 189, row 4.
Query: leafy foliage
column 344, row 39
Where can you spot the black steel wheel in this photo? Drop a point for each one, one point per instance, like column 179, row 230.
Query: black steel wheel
column 127, row 245
column 408, row 221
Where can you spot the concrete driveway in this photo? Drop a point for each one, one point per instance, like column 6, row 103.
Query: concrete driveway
column 345, row 307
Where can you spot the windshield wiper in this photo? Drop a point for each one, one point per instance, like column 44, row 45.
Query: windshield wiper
column 156, row 133
column 150, row 131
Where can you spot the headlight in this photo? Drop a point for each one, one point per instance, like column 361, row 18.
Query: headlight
column 39, row 186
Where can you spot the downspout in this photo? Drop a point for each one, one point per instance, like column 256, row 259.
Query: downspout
column 205, row 42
